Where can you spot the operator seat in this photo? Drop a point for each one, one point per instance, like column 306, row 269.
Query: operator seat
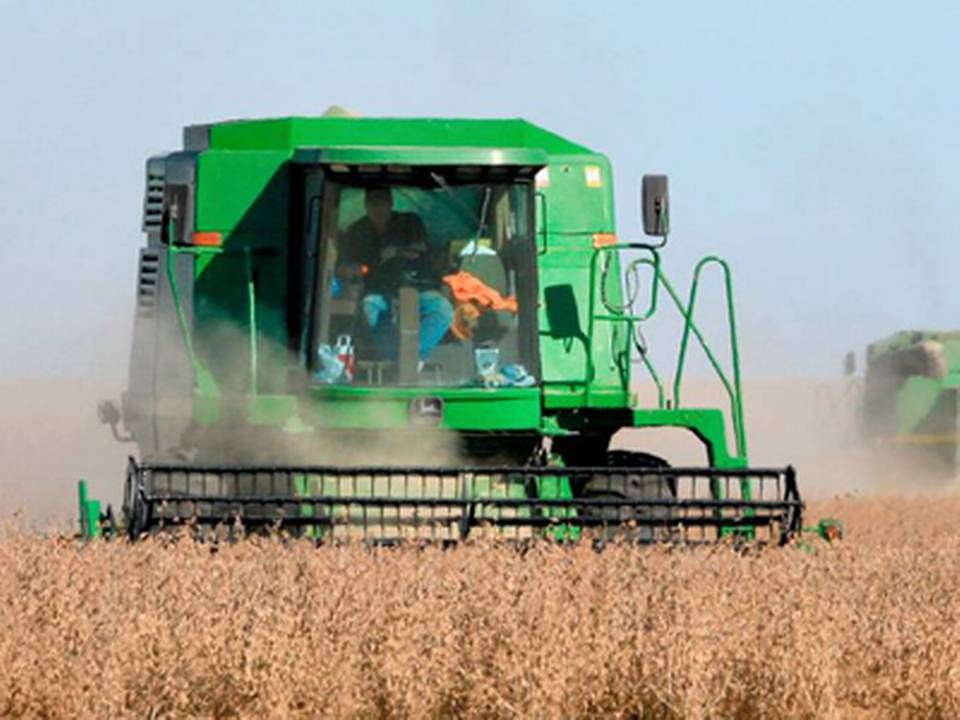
column 497, row 326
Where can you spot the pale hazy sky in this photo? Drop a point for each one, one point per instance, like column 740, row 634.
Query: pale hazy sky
column 813, row 144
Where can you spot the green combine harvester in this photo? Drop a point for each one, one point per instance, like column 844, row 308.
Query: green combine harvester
column 415, row 330
column 909, row 408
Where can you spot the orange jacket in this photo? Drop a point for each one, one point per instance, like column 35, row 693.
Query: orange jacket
column 473, row 297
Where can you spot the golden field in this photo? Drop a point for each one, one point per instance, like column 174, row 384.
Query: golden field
column 869, row 627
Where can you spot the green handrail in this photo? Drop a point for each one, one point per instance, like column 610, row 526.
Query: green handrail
column 204, row 379
column 185, row 334
column 661, row 393
column 733, row 389
column 619, row 314
column 734, row 392
column 252, row 317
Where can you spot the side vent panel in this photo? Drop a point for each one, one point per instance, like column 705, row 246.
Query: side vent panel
column 153, row 205
column 148, row 279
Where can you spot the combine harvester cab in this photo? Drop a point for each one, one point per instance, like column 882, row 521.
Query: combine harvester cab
column 909, row 410
column 396, row 330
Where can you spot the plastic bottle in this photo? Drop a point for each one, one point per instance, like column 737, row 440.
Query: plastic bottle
column 344, row 352
column 329, row 367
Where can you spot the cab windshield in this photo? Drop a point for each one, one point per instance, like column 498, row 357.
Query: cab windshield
column 430, row 283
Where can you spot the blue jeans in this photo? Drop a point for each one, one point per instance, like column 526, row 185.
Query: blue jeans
column 436, row 314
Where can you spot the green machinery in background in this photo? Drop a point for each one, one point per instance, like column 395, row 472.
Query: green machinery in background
column 909, row 402
column 260, row 394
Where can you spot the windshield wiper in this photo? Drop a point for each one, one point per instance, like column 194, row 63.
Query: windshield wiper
column 463, row 210
column 482, row 224
column 466, row 214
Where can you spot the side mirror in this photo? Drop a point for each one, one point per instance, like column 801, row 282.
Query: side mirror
column 108, row 412
column 656, row 205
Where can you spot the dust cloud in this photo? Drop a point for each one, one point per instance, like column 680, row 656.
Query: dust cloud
column 50, row 438
column 228, row 356
column 810, row 425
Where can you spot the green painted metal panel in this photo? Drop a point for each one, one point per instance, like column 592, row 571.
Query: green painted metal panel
column 89, row 513
column 557, row 397
column 467, row 409
column 381, row 155
column 579, row 197
column 564, row 359
column 578, row 193
column 916, row 400
column 707, row 423
column 244, row 192
column 251, row 135
column 294, row 132
column 222, row 313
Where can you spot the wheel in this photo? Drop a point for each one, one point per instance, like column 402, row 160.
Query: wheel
column 629, row 522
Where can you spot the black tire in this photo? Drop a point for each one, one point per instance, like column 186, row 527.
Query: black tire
column 627, row 522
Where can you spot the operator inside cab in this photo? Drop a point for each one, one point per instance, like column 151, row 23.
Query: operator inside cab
column 385, row 250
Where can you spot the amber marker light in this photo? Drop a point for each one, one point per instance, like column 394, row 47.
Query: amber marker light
column 601, row 240
column 208, row 239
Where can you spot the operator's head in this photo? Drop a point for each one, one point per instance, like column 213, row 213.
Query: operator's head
column 379, row 204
